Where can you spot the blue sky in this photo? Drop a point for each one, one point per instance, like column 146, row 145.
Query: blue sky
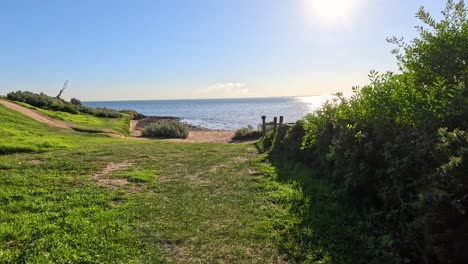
column 149, row 49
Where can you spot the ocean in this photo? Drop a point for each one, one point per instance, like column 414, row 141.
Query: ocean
column 224, row 114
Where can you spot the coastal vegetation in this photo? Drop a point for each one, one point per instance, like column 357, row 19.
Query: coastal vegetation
column 169, row 129
column 383, row 173
column 46, row 102
column 247, row 133
column 378, row 177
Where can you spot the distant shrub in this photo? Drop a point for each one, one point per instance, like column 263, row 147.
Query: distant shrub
column 171, row 129
column 75, row 101
column 38, row 100
column 242, row 132
column 247, row 133
column 134, row 115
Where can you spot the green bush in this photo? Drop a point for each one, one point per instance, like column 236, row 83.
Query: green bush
column 288, row 143
column 242, row 132
column 75, row 101
column 134, row 115
column 170, row 129
column 396, row 151
column 247, row 133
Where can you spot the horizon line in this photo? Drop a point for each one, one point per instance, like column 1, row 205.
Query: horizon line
column 220, row 98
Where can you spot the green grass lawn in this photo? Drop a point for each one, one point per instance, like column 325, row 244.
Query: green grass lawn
column 120, row 125
column 163, row 202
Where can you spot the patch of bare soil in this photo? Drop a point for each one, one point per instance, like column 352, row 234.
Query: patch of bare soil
column 36, row 115
column 207, row 137
column 111, row 183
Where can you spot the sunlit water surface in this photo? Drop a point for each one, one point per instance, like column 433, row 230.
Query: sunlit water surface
column 228, row 114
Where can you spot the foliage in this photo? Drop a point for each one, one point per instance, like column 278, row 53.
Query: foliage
column 247, row 133
column 242, row 132
column 56, row 104
column 170, row 129
column 75, row 101
column 395, row 152
column 288, row 142
column 134, row 115
column 441, row 50
column 99, row 112
column 265, row 143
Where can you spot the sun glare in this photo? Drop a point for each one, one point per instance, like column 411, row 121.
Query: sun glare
column 331, row 9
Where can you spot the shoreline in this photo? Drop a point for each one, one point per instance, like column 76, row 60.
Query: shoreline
column 197, row 134
column 147, row 120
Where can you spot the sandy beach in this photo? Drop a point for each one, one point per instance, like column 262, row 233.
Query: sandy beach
column 196, row 135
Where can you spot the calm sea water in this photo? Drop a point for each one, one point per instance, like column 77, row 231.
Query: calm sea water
column 228, row 114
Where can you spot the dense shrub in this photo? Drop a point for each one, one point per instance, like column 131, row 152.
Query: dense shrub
column 170, row 129
column 42, row 101
column 75, row 101
column 288, row 142
column 396, row 151
column 266, row 142
column 99, row 112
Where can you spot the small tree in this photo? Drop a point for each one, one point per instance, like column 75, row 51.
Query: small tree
column 63, row 89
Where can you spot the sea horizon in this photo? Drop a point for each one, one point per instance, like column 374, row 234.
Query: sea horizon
column 223, row 113
column 195, row 99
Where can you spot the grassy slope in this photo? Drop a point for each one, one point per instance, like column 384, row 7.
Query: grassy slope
column 118, row 124
column 184, row 202
column 19, row 133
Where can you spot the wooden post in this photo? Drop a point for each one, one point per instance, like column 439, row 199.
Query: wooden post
column 275, row 123
column 263, row 125
column 281, row 122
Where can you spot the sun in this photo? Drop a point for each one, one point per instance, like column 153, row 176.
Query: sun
column 331, row 9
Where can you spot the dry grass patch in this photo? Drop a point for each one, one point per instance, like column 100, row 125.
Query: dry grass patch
column 111, row 183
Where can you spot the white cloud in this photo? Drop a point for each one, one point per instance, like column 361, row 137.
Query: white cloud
column 227, row 89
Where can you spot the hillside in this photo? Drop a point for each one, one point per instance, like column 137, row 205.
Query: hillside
column 86, row 197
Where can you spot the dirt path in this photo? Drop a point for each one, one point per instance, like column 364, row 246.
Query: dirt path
column 36, row 115
column 134, row 132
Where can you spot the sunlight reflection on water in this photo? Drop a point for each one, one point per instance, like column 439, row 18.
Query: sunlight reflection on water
column 229, row 114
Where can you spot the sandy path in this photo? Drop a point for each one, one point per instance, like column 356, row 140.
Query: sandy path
column 134, row 132
column 36, row 115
